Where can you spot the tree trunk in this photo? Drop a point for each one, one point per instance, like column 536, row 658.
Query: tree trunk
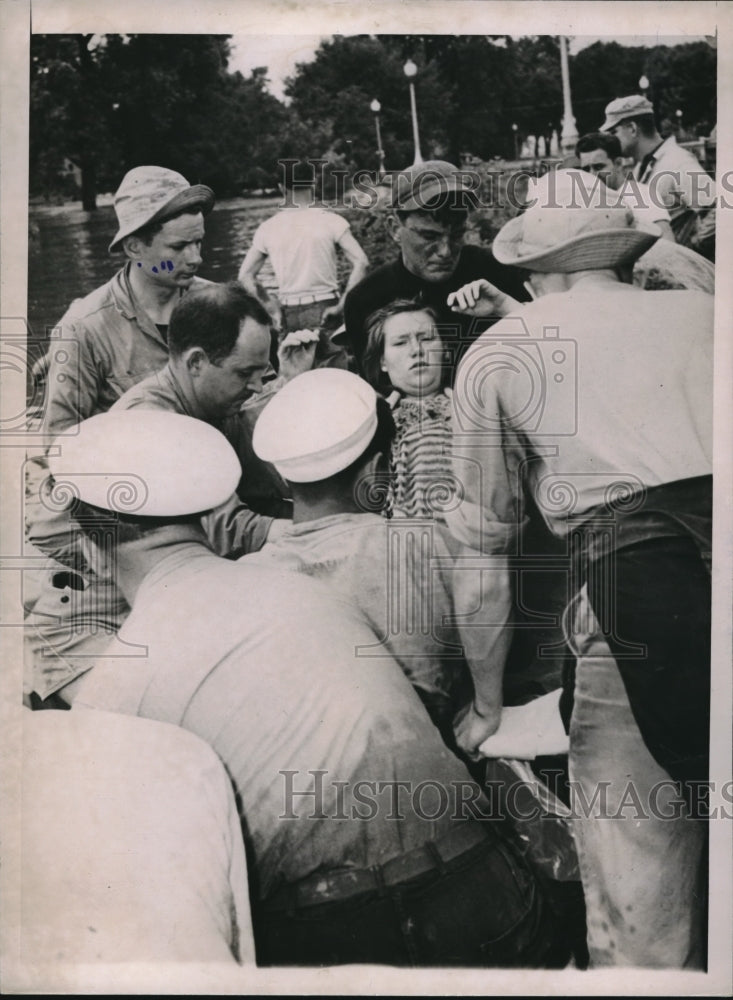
column 88, row 186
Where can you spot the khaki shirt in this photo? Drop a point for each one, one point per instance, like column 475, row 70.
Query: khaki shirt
column 104, row 344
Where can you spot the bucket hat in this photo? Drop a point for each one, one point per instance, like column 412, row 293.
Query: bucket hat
column 154, row 194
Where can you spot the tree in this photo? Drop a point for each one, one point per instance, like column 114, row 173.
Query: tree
column 113, row 102
column 68, row 113
column 331, row 96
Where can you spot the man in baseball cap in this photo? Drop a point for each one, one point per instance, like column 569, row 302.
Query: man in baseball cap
column 104, row 344
column 430, row 206
column 596, row 399
column 674, row 175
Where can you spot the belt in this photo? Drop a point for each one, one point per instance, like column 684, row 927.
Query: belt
column 306, row 299
column 330, row 887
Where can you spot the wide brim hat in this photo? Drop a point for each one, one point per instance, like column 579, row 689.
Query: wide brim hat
column 317, row 425
column 154, row 194
column 145, row 463
column 564, row 232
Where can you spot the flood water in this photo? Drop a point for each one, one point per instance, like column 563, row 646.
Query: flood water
column 68, row 257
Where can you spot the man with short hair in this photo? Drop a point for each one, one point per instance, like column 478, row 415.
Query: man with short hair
column 596, row 399
column 362, row 846
column 219, row 341
column 674, row 175
column 301, row 242
column 600, row 154
column 666, row 264
column 430, row 205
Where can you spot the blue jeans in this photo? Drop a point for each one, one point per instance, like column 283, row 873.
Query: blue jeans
column 485, row 908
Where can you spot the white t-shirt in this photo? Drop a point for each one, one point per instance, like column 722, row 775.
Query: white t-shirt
column 301, row 245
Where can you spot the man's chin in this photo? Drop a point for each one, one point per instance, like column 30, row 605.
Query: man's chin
column 437, row 275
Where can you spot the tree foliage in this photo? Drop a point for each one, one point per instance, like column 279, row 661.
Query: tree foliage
column 108, row 103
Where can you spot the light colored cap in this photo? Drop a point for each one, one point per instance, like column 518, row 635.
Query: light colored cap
column 626, row 107
column 146, row 463
column 154, row 194
column 436, row 183
column 574, row 223
column 316, row 425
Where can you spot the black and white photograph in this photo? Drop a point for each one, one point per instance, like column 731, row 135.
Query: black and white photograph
column 367, row 538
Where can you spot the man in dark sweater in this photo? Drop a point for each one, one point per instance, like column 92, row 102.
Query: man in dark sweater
column 430, row 203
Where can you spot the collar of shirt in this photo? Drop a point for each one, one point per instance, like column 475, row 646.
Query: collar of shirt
column 131, row 308
column 330, row 521
column 185, row 405
column 651, row 158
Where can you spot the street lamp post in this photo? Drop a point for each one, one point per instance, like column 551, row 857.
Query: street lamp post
column 569, row 134
column 644, row 85
column 410, row 70
column 678, row 114
column 515, row 130
column 376, row 107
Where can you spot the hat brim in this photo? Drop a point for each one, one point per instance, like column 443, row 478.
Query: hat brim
column 615, row 120
column 593, row 251
column 197, row 196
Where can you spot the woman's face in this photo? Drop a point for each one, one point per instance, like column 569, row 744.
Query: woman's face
column 413, row 353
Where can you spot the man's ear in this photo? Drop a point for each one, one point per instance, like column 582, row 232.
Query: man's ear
column 395, row 228
column 133, row 246
column 195, row 359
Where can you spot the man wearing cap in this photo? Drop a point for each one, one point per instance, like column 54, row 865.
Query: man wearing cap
column 674, row 175
column 219, row 340
column 399, row 574
column 109, row 341
column 118, row 333
column 596, row 398
column 430, row 205
column 342, row 871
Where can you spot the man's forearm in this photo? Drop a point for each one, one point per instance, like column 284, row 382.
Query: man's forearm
column 482, row 599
